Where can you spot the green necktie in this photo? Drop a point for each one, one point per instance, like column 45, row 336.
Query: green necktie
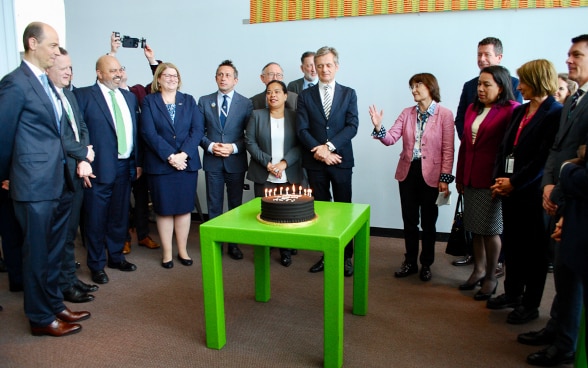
column 121, row 135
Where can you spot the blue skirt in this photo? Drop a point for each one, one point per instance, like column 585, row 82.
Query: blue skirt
column 173, row 194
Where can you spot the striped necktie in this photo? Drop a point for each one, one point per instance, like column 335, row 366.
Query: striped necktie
column 327, row 102
column 575, row 98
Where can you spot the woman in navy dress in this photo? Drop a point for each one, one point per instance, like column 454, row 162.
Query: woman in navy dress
column 171, row 127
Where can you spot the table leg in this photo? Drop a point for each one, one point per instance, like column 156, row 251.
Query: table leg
column 261, row 257
column 362, row 267
column 333, row 339
column 214, row 303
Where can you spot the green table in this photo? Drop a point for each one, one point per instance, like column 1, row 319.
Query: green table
column 335, row 226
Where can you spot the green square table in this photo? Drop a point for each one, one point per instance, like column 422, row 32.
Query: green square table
column 336, row 224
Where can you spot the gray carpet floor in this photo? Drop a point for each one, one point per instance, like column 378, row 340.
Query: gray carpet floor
column 153, row 317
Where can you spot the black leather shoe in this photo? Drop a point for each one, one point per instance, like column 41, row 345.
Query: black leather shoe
column 550, row 357
column 185, row 261
column 234, row 252
column 348, row 267
column 537, row 338
column 480, row 296
column 425, row 274
column 406, row 269
column 503, row 301
column 87, row 288
column 78, row 265
column 318, row 267
column 521, row 315
column 285, row 257
column 74, row 295
column 123, row 266
column 464, row 261
column 100, row 277
column 169, row 264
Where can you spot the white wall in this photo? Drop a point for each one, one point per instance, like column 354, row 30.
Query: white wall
column 378, row 54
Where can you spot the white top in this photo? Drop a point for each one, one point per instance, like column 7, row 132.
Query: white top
column 278, row 134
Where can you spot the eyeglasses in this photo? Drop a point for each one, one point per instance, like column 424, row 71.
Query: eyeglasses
column 274, row 75
column 170, row 76
column 226, row 75
column 415, row 86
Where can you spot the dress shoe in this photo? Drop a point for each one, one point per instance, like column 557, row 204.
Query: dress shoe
column 348, row 267
column 425, row 274
column 100, row 277
column 406, row 269
column 78, row 265
column 481, row 296
column 234, row 252
column 468, row 286
column 123, row 266
column 57, row 328
column 127, row 247
column 148, row 242
column 318, row 267
column 169, row 264
column 537, row 338
column 550, row 267
column 550, row 357
column 82, row 286
column 521, row 315
column 499, row 270
column 185, row 261
column 69, row 316
column 74, row 295
column 503, row 301
column 285, row 257
column 464, row 261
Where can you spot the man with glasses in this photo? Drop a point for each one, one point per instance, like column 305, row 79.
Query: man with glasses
column 111, row 116
column 272, row 71
column 226, row 114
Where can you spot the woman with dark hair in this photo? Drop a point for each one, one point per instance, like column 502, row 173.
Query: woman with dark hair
column 273, row 145
column 518, row 173
column 485, row 123
column 424, row 168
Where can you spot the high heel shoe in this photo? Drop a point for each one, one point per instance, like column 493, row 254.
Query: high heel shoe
column 480, row 296
column 169, row 264
column 185, row 261
column 468, row 286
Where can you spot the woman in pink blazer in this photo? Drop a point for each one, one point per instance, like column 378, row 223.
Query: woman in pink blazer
column 485, row 124
column 424, row 168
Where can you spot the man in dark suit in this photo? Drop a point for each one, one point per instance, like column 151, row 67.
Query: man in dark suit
column 32, row 158
column 489, row 53
column 111, row 116
column 309, row 79
column 326, row 121
column 79, row 156
column 226, row 114
column 272, row 71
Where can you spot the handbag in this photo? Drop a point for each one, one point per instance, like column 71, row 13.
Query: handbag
column 460, row 240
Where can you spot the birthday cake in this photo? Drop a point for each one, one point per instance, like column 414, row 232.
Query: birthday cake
column 288, row 208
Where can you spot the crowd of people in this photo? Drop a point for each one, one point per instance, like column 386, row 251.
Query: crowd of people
column 70, row 157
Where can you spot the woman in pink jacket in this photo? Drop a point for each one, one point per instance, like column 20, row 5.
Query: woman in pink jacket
column 424, row 168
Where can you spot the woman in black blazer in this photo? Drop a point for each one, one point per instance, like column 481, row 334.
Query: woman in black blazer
column 518, row 172
column 172, row 126
column 274, row 148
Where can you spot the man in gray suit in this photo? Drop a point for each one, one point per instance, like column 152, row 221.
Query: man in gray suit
column 272, row 71
column 32, row 158
column 226, row 114
column 561, row 331
column 310, row 77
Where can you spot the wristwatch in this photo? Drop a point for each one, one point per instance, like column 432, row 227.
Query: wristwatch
column 330, row 146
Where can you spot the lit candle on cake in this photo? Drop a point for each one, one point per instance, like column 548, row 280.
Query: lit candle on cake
column 310, row 192
column 281, row 190
column 265, row 192
column 287, row 190
column 293, row 189
column 275, row 190
column 300, row 190
column 304, row 191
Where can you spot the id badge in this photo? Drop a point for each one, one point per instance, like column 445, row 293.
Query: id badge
column 509, row 165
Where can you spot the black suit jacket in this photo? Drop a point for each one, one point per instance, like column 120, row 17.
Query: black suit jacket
column 296, row 86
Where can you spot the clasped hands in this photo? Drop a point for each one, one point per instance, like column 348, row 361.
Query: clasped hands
column 322, row 153
column 222, row 149
column 502, row 186
column 178, row 161
column 277, row 169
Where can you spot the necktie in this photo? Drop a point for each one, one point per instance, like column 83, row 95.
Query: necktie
column 224, row 111
column 310, row 85
column 121, row 134
column 70, row 115
column 575, row 98
column 50, row 95
column 327, row 102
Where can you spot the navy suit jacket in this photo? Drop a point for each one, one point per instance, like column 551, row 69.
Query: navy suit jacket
column 102, row 131
column 314, row 129
column 31, row 147
column 233, row 132
column 164, row 137
column 469, row 93
column 259, row 146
